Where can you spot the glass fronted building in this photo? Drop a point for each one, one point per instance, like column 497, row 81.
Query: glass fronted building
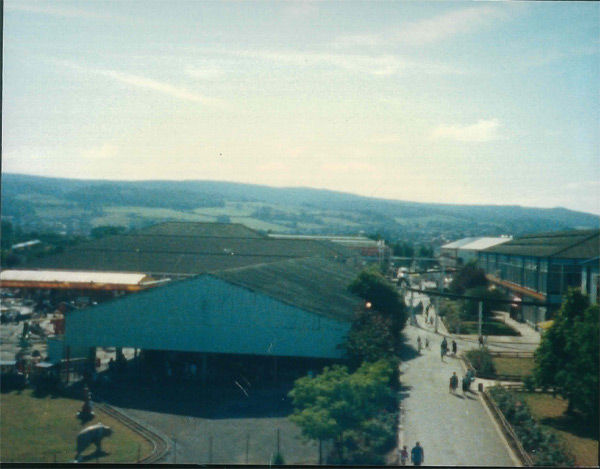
column 541, row 267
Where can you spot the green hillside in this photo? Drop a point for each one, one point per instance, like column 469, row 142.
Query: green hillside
column 77, row 206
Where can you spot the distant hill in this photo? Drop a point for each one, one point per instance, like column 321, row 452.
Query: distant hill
column 76, row 206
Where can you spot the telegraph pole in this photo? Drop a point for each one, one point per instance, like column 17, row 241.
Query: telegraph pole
column 480, row 316
column 437, row 299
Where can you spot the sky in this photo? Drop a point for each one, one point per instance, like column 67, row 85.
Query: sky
column 449, row 102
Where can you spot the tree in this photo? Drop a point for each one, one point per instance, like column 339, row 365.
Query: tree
column 370, row 338
column 425, row 251
column 403, row 249
column 493, row 300
column 335, row 402
column 383, row 298
column 469, row 276
column 568, row 355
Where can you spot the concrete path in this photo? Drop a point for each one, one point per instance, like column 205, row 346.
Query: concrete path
column 453, row 429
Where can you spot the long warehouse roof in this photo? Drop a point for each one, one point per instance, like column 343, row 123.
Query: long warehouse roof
column 176, row 248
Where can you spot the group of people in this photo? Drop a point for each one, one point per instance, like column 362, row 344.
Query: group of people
column 420, row 343
column 444, row 348
column 466, row 381
column 417, row 455
column 428, row 318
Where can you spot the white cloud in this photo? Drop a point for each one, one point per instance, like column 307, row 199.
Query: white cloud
column 382, row 65
column 142, row 82
column 102, row 152
column 205, row 73
column 154, row 85
column 443, row 27
column 427, row 31
column 583, row 185
column 50, row 9
column 386, row 139
column 481, row 131
column 357, row 40
column 299, row 8
column 356, row 167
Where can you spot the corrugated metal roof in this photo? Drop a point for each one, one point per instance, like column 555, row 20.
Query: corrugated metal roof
column 183, row 254
column 314, row 284
column 117, row 278
column 483, row 243
column 201, row 229
column 576, row 244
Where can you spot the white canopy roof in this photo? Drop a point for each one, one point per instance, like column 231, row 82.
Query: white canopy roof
column 118, row 278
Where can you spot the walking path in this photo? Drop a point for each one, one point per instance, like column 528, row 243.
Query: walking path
column 453, row 429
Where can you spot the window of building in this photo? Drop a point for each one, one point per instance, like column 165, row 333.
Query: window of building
column 543, row 276
column 530, row 274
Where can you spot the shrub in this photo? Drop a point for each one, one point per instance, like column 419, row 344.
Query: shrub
column 453, row 317
column 481, row 359
column 543, row 446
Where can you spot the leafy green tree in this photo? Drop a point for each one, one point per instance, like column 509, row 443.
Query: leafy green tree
column 493, row 300
column 568, row 355
column 336, row 403
column 469, row 276
column 403, row 249
column 383, row 298
column 370, row 338
column 453, row 315
column 425, row 251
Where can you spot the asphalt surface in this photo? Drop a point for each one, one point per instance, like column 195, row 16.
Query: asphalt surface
column 453, row 429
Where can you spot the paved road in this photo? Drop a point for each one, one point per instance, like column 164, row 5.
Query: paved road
column 454, row 430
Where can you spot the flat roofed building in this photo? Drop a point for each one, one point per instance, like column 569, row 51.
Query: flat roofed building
column 465, row 250
column 75, row 280
column 541, row 266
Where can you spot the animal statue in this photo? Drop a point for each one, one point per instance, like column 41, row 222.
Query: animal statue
column 92, row 434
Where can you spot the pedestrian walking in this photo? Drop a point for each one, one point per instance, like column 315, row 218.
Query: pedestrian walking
column 453, row 383
column 480, row 341
column 419, row 343
column 427, row 343
column 465, row 384
column 454, row 347
column 444, row 348
column 403, row 455
column 417, row 455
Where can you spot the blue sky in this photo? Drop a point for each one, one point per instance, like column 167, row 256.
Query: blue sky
column 454, row 102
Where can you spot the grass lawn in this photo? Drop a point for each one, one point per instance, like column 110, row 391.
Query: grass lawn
column 579, row 436
column 492, row 327
column 513, row 366
column 45, row 429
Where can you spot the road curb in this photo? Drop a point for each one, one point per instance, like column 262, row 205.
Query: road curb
column 509, row 448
